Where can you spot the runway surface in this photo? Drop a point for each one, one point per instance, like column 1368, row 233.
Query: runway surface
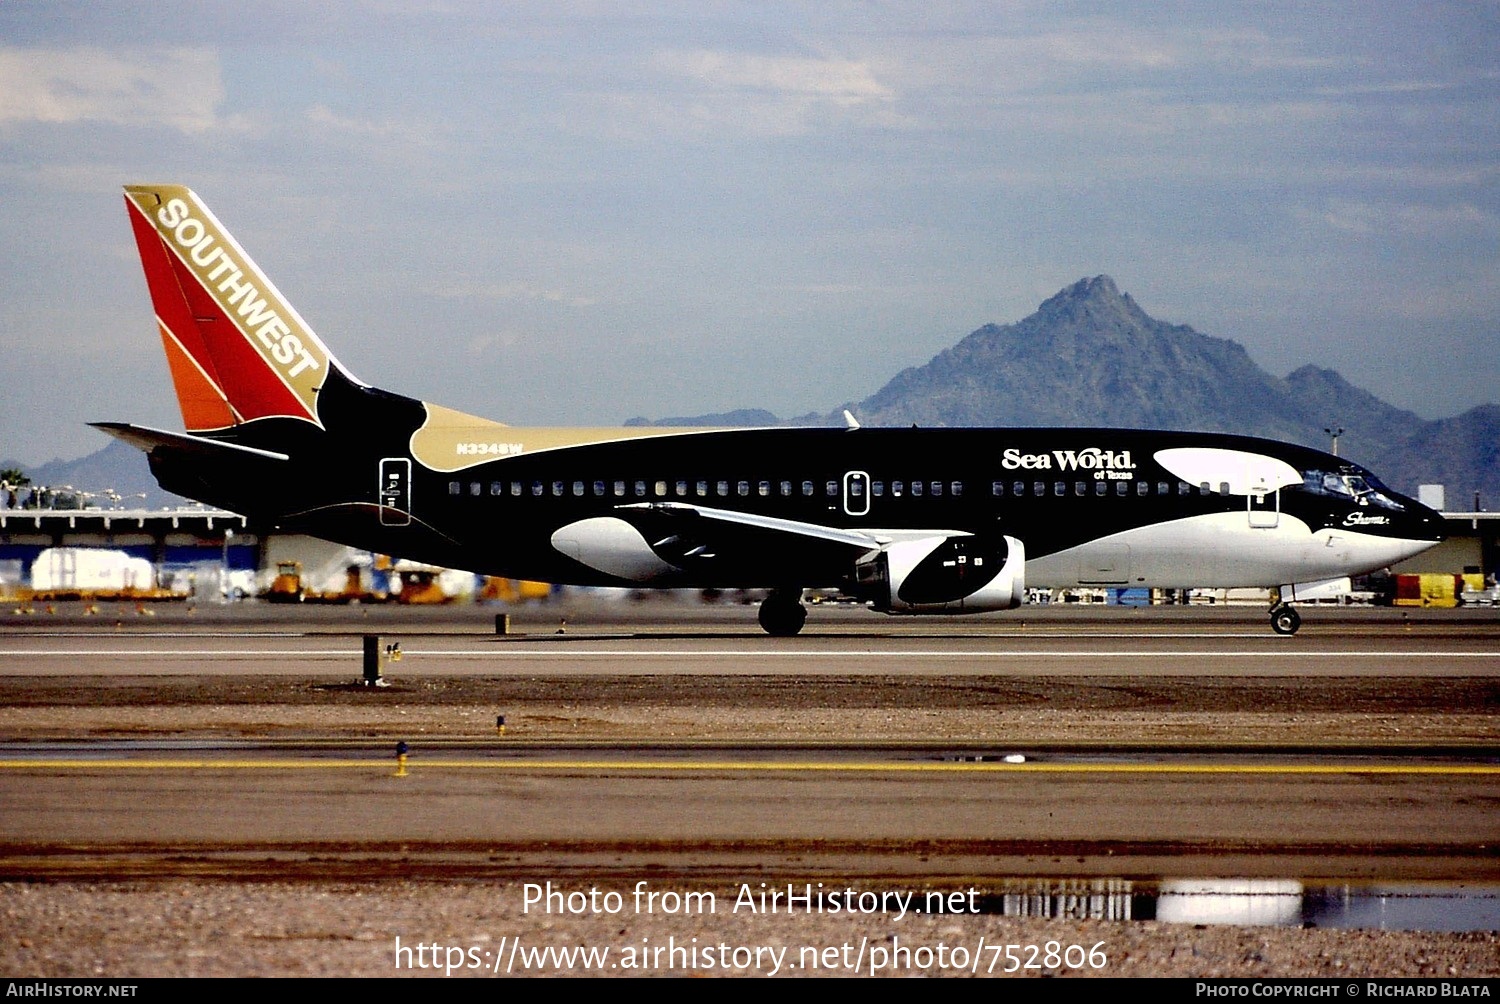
column 236, row 742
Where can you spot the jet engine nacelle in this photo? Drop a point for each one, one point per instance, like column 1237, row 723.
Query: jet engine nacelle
column 945, row 575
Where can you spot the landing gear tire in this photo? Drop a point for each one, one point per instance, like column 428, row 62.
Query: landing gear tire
column 782, row 614
column 1285, row 620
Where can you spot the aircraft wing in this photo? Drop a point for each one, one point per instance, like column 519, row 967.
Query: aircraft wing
column 708, row 544
column 859, row 540
column 702, row 543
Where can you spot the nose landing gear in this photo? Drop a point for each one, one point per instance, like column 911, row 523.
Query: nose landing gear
column 1285, row 619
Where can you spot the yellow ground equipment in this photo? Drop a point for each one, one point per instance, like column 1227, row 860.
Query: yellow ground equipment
column 287, row 586
column 497, row 589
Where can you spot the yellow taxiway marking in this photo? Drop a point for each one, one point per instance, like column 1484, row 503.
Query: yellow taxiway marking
column 753, row 765
column 1274, row 649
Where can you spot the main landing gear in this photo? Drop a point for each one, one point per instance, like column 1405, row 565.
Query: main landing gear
column 782, row 613
column 1285, row 619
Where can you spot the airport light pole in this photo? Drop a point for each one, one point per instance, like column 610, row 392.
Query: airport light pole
column 224, row 580
column 1335, row 432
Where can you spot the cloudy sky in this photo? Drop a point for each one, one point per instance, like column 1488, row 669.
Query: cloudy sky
column 555, row 213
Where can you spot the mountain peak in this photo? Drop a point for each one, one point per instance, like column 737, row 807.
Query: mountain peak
column 1100, row 286
column 1096, row 297
column 1091, row 356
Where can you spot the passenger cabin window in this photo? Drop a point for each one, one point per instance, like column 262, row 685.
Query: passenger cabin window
column 537, row 489
column 1060, row 488
column 578, row 489
column 515, row 487
column 619, row 489
column 497, row 488
column 1162, row 488
column 1183, row 488
column 956, row 488
column 701, row 489
column 454, row 488
column 721, row 489
column 557, row 489
column 897, row 487
column 682, row 489
column 1039, row 488
column 1141, row 487
column 640, row 489
column 1101, row 487
column 937, row 489
column 475, row 488
column 916, row 489
column 786, row 489
column 1080, row 488
column 661, row 489
column 807, row 488
column 997, row 488
column 763, row 489
column 1018, row 488
column 742, row 488
column 877, row 488
column 598, row 489
column 831, row 489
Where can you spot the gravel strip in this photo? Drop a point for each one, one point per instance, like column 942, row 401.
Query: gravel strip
column 196, row 928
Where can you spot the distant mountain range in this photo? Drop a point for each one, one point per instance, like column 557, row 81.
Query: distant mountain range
column 1089, row 356
column 118, row 471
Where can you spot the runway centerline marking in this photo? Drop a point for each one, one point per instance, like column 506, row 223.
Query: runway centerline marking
column 1039, row 634
column 760, row 766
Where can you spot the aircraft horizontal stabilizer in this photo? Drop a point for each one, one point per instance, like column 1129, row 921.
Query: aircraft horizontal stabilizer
column 145, row 438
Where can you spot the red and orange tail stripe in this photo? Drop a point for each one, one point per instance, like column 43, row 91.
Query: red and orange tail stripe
column 237, row 350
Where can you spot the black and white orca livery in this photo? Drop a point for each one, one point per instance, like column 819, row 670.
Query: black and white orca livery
column 912, row 521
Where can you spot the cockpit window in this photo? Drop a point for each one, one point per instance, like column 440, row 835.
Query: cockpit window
column 1360, row 488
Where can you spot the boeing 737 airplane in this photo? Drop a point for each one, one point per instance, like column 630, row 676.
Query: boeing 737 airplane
column 911, row 521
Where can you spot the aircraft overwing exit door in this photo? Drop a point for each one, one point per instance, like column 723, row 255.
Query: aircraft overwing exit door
column 856, row 493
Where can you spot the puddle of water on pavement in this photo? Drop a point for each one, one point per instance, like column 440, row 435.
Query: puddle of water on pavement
column 1259, row 903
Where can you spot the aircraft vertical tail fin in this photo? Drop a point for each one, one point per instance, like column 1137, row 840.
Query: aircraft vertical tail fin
column 238, row 351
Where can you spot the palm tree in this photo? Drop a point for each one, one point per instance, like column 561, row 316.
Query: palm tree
column 11, row 479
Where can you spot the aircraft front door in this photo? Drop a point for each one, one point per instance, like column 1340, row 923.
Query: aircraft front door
column 857, row 493
column 1264, row 506
column 395, row 491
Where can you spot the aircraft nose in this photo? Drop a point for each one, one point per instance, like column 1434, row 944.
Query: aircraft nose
column 1428, row 523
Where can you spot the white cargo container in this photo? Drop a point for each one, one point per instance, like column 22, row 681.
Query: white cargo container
column 89, row 569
